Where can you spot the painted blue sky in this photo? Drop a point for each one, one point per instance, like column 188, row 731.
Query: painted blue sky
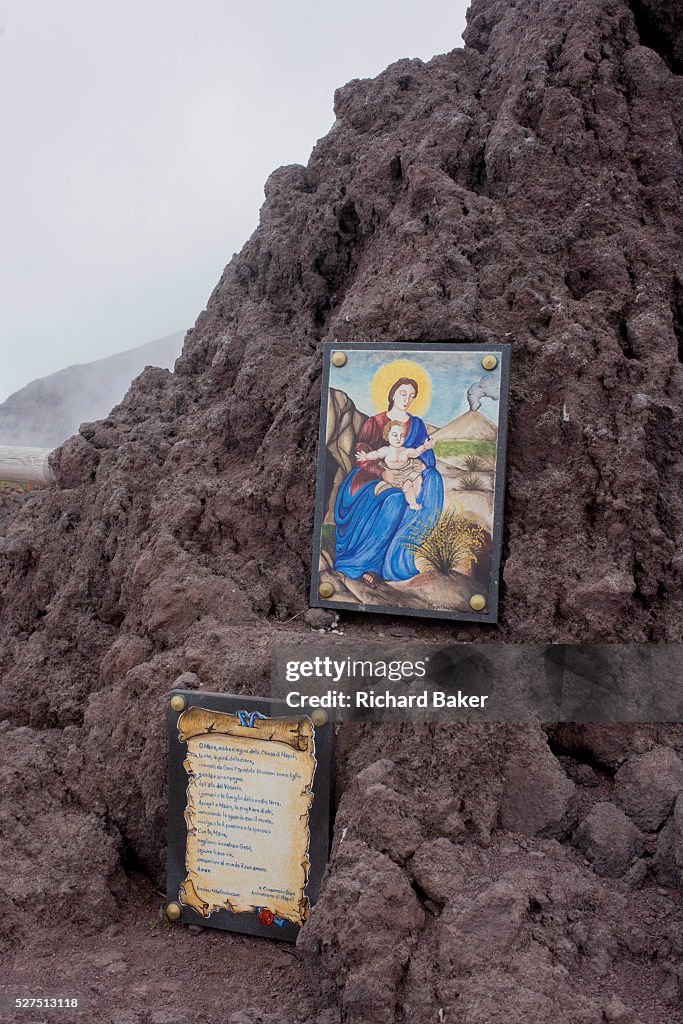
column 451, row 374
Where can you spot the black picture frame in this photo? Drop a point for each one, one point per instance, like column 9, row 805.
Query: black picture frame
column 489, row 614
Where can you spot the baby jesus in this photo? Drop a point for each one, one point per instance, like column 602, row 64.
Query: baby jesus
column 404, row 463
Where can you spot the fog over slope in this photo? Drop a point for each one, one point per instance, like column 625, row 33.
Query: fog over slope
column 50, row 409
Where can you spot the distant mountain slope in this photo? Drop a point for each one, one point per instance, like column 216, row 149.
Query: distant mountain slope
column 469, row 426
column 49, row 410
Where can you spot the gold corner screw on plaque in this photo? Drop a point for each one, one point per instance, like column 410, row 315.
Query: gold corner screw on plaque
column 477, row 602
column 173, row 911
column 319, row 718
column 339, row 359
column 326, row 590
column 178, row 702
column 489, row 362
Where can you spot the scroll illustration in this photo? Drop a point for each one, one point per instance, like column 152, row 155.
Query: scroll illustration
column 249, row 793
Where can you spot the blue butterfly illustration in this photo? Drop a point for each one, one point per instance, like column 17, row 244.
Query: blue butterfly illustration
column 248, row 718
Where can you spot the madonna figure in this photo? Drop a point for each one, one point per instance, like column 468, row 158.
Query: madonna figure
column 372, row 516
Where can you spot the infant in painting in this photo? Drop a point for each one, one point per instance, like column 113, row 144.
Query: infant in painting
column 404, row 463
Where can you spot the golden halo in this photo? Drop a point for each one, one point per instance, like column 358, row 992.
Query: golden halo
column 387, row 376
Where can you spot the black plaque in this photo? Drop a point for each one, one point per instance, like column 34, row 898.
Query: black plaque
column 411, row 476
column 249, row 813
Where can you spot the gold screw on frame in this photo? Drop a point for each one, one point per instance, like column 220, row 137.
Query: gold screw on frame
column 173, row 911
column 178, row 702
column 339, row 359
column 319, row 717
column 477, row 602
column 489, row 362
column 326, row 590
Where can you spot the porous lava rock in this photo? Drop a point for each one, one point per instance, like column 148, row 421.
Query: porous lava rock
column 537, row 795
column 523, row 188
column 646, row 787
column 668, row 859
column 605, row 745
column 609, row 839
column 437, row 868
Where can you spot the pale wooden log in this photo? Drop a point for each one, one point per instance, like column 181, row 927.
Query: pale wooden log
column 25, row 465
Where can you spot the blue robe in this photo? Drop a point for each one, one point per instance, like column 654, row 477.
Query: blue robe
column 372, row 529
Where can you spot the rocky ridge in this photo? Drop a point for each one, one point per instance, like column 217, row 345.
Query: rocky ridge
column 525, row 188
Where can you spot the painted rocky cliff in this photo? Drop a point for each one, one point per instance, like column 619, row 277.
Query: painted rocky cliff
column 524, row 188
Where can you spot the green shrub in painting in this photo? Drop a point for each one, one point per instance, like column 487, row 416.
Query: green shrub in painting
column 462, row 449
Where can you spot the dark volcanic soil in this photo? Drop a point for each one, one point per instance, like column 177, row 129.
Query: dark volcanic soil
column 524, row 188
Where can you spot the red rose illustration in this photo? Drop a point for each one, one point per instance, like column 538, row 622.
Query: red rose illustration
column 266, row 917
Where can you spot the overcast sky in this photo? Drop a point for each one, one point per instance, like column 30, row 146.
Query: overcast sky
column 136, row 140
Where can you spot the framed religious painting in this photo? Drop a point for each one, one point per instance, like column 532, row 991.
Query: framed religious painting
column 411, row 478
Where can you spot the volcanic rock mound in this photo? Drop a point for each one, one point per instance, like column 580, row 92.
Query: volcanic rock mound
column 524, row 188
